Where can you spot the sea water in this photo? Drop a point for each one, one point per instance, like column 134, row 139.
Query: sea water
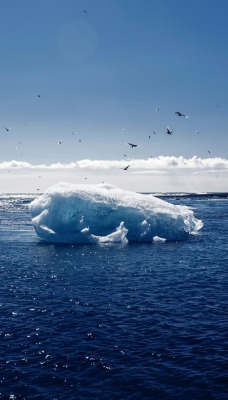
column 114, row 320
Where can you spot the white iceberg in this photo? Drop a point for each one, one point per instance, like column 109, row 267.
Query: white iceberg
column 69, row 213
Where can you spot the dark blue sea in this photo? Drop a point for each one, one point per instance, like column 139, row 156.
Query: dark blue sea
column 114, row 321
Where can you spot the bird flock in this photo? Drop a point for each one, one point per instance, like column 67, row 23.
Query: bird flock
column 169, row 131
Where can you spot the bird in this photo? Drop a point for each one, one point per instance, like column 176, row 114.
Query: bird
column 157, row 109
column 133, row 145
column 149, row 136
column 60, row 142
column 209, row 151
column 168, row 131
column 197, row 131
column 154, row 132
column 38, row 95
column 7, row 129
column 180, row 114
column 18, row 145
column 125, row 168
column 84, row 11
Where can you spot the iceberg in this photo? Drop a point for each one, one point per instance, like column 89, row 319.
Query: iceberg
column 70, row 213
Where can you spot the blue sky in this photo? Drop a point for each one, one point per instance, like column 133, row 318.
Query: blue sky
column 102, row 75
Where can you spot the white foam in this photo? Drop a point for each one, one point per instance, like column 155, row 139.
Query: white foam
column 69, row 213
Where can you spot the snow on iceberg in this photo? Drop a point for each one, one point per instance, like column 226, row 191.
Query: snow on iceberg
column 69, row 213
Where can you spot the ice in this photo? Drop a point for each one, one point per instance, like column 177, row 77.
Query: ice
column 69, row 213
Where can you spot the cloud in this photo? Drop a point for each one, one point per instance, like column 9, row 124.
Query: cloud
column 25, row 165
column 149, row 165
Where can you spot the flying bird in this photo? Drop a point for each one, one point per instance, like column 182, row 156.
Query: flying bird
column 180, row 114
column 157, row 109
column 125, row 168
column 18, row 145
column 60, row 142
column 7, row 129
column 133, row 145
column 168, row 131
column 38, row 95
column 84, row 11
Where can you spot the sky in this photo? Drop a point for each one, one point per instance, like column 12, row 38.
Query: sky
column 79, row 79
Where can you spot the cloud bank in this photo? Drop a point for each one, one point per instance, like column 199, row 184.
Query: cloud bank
column 146, row 165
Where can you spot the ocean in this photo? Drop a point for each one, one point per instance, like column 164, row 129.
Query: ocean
column 114, row 321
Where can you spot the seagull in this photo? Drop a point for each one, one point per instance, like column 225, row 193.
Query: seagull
column 168, row 131
column 197, row 131
column 7, row 129
column 157, row 109
column 84, row 11
column 60, row 142
column 154, row 132
column 125, row 168
column 18, row 145
column 180, row 114
column 209, row 151
column 133, row 145
column 38, row 95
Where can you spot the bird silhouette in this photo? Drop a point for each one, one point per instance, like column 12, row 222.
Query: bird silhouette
column 133, row 145
column 125, row 168
column 180, row 114
column 168, row 131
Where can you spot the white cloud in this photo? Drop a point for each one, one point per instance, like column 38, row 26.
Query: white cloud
column 153, row 165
